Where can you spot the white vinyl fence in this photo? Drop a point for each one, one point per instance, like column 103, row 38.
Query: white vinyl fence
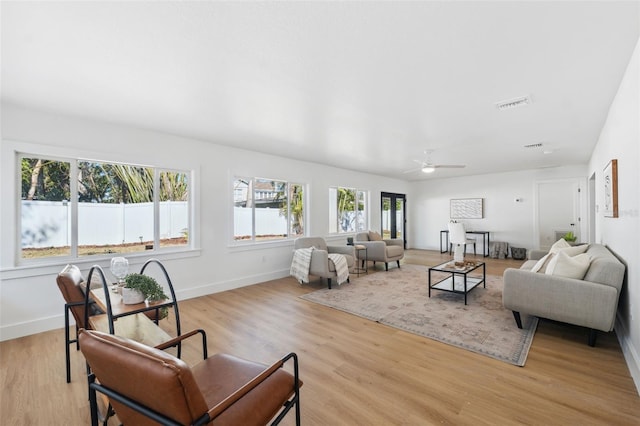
column 48, row 223
column 268, row 222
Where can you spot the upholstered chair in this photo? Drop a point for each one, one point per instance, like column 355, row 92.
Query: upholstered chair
column 69, row 282
column 381, row 250
column 320, row 265
column 149, row 386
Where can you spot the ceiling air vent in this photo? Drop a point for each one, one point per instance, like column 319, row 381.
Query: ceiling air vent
column 534, row 145
column 513, row 103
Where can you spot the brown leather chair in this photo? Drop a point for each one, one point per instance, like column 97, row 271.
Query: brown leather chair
column 69, row 280
column 148, row 386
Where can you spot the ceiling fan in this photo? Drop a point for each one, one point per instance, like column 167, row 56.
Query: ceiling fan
column 427, row 166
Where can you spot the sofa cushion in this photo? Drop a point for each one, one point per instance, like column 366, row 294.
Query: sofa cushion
column 567, row 266
column 374, row 236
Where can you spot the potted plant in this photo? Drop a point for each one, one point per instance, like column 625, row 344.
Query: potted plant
column 138, row 287
column 569, row 237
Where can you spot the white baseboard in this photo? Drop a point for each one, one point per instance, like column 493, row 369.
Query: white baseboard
column 630, row 353
column 41, row 325
column 231, row 284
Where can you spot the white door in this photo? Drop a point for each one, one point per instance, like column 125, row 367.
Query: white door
column 558, row 210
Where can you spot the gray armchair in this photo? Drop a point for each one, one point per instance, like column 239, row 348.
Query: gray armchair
column 320, row 264
column 379, row 250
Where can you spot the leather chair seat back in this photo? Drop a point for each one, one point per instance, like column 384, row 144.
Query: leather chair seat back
column 147, row 375
column 69, row 281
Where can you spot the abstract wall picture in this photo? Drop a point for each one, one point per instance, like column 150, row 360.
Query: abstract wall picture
column 467, row 208
column 610, row 181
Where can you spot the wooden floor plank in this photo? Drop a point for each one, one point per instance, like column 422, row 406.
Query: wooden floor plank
column 355, row 371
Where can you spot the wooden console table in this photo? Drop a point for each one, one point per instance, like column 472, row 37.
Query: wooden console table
column 129, row 321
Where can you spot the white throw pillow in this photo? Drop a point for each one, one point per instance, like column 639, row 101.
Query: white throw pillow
column 563, row 265
column 374, row 236
column 542, row 264
column 558, row 245
column 575, row 250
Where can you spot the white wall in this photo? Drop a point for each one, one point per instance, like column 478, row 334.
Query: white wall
column 620, row 139
column 29, row 299
column 506, row 220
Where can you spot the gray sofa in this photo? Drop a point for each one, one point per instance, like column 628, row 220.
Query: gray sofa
column 589, row 302
column 382, row 250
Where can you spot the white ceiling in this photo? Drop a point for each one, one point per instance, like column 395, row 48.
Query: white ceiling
column 361, row 85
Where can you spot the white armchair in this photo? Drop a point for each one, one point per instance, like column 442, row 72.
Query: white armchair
column 381, row 250
column 320, row 264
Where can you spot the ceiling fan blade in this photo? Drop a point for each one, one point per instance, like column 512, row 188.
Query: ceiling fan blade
column 449, row 166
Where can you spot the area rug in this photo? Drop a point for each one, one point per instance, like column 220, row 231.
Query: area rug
column 399, row 298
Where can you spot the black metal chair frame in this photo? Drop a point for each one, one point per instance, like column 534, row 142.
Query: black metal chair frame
column 95, row 387
column 67, row 337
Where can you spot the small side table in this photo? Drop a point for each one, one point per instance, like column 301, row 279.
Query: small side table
column 361, row 256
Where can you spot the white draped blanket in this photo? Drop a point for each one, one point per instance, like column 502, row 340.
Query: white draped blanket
column 340, row 263
column 300, row 264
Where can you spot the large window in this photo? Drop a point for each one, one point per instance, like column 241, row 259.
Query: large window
column 119, row 208
column 347, row 210
column 45, row 208
column 267, row 209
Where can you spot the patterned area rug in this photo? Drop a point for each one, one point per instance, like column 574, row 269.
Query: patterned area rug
column 399, row 298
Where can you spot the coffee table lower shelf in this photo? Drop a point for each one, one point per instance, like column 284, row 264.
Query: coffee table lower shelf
column 458, row 281
column 458, row 285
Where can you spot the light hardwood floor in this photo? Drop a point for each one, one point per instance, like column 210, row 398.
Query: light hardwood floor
column 355, row 371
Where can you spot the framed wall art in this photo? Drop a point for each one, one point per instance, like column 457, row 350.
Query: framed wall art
column 610, row 181
column 467, row 208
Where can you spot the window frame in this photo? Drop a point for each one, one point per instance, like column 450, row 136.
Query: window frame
column 335, row 228
column 233, row 241
column 61, row 155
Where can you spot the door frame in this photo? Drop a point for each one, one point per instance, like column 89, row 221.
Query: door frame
column 579, row 206
column 392, row 215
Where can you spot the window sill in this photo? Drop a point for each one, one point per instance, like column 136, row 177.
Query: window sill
column 53, row 266
column 259, row 245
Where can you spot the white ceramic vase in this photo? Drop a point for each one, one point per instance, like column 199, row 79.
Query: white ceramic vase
column 131, row 296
